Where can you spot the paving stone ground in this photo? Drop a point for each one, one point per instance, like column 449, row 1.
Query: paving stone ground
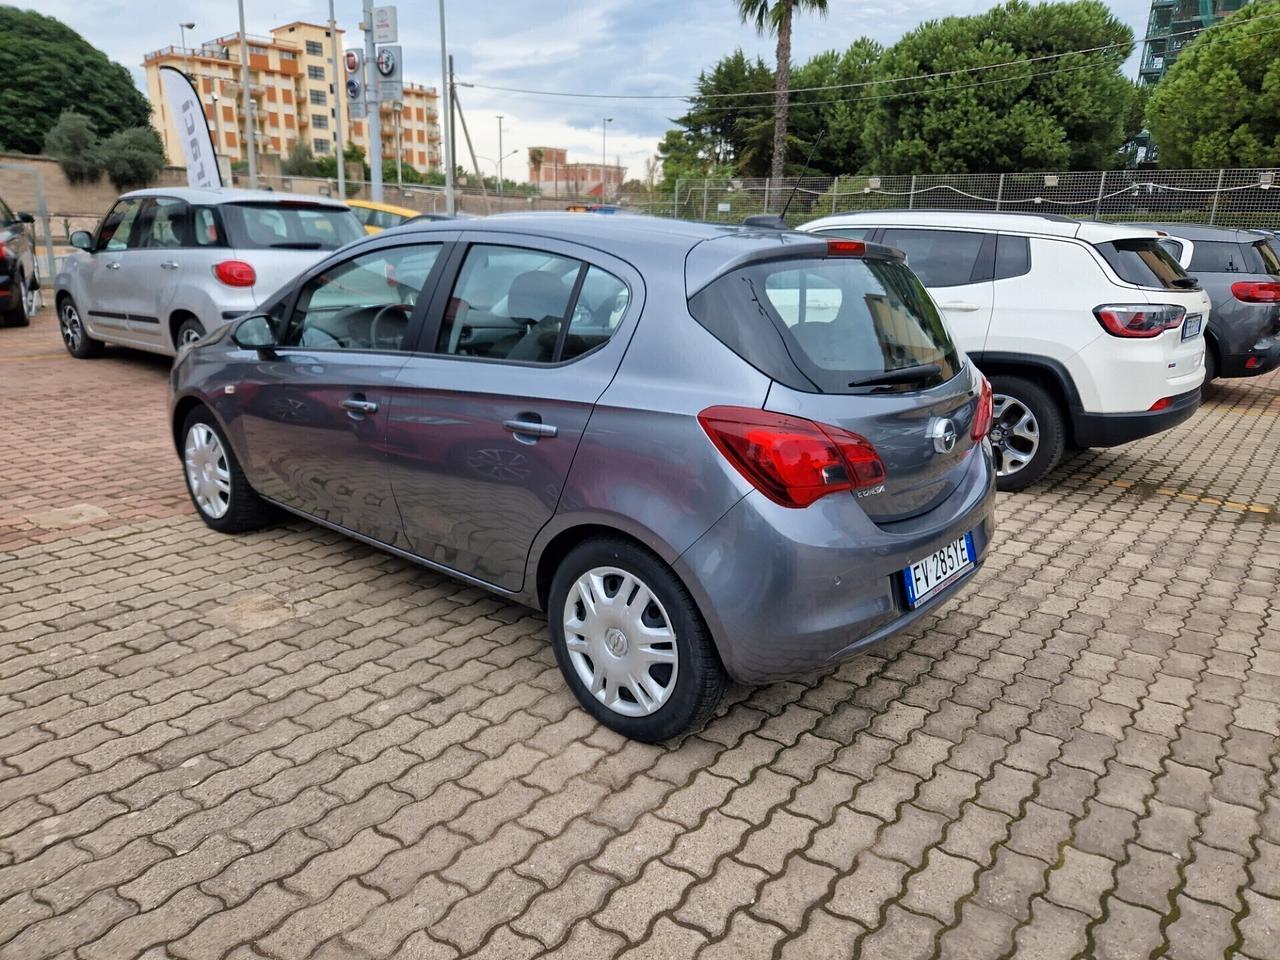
column 288, row 745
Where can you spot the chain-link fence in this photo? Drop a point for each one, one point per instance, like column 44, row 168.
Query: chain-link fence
column 1243, row 198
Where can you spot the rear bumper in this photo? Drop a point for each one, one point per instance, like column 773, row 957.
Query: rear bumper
column 1113, row 429
column 787, row 592
column 1264, row 355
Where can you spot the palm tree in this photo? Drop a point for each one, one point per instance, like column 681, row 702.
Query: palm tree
column 774, row 16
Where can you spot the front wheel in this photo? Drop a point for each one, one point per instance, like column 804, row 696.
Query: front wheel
column 631, row 643
column 1028, row 433
column 21, row 313
column 74, row 336
column 218, row 487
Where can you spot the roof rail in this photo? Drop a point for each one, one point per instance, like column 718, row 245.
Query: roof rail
column 1056, row 217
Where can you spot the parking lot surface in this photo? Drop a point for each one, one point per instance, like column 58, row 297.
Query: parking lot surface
column 289, row 745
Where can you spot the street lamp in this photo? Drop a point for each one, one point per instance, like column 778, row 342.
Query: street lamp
column 604, row 153
column 182, row 32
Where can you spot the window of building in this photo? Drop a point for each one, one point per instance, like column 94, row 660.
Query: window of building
column 319, row 121
column 315, row 73
column 318, row 98
column 288, row 55
column 315, row 48
column 320, row 144
column 257, row 51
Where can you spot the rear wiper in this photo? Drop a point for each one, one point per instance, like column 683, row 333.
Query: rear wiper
column 1186, row 283
column 297, row 245
column 916, row 374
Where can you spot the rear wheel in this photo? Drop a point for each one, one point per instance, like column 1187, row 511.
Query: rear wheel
column 218, row 487
column 631, row 643
column 19, row 315
column 76, row 338
column 1027, row 432
column 189, row 331
column 1210, row 368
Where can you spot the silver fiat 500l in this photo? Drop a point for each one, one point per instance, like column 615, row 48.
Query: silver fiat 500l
column 705, row 452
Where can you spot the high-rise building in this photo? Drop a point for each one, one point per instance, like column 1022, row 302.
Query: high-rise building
column 293, row 88
column 1172, row 25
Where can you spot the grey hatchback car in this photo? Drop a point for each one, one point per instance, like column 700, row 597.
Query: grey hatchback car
column 705, row 452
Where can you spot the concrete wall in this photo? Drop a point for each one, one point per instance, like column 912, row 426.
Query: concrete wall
column 18, row 187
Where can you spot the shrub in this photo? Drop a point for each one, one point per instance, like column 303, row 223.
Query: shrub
column 132, row 158
column 73, row 142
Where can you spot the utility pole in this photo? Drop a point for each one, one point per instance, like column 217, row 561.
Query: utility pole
column 217, row 127
column 339, row 94
column 247, row 108
column 374, row 106
column 398, row 107
column 604, row 141
column 500, row 177
column 446, row 114
column 475, row 163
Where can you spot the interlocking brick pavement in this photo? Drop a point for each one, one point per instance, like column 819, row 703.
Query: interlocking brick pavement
column 288, row 745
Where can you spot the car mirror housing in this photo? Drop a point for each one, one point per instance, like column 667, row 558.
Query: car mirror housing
column 81, row 240
column 254, row 333
column 26, row 218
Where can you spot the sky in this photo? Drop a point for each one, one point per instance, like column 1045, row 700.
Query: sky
column 601, row 46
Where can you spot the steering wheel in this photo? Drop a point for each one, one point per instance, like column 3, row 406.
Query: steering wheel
column 394, row 341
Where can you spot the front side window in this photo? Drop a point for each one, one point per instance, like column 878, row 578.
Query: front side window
column 292, row 225
column 940, row 258
column 170, row 223
column 513, row 303
column 119, row 231
column 363, row 304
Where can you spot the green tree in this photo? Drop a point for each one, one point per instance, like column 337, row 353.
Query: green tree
column 300, row 162
column 1047, row 109
column 840, row 114
column 73, row 142
column 731, row 129
column 132, row 157
column 774, row 16
column 47, row 66
column 1219, row 104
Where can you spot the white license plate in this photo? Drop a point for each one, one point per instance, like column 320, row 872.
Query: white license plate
column 926, row 577
column 1191, row 326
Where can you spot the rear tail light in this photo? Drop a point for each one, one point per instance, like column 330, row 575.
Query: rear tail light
column 1139, row 320
column 846, row 248
column 1, row 249
column 1256, row 291
column 985, row 413
column 235, row 273
column 1253, row 363
column 1162, row 404
column 792, row 461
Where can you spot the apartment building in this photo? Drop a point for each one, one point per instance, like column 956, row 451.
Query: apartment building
column 293, row 88
column 551, row 171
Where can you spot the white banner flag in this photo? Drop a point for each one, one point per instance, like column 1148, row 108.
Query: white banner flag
column 193, row 128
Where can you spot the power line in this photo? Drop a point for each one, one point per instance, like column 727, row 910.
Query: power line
column 859, row 84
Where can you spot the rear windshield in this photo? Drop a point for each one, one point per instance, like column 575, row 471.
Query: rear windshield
column 825, row 324
column 1217, row 256
column 1143, row 261
column 291, row 226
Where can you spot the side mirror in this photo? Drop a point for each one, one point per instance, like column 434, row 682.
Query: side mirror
column 26, row 218
column 82, row 240
column 254, row 333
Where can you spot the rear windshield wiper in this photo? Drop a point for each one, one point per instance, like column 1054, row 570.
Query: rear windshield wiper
column 1186, row 283
column 297, row 245
column 916, row 374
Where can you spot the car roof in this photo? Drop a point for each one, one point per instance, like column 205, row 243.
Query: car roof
column 384, row 207
column 215, row 195
column 1202, row 231
column 1041, row 224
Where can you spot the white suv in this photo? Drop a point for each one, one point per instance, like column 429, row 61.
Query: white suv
column 1091, row 333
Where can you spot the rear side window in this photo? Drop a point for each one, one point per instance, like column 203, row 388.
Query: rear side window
column 1144, row 262
column 1013, row 257
column 822, row 324
column 289, row 226
column 941, row 258
column 1269, row 256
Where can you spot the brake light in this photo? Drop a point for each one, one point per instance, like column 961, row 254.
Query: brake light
column 846, row 248
column 1253, row 363
column 985, row 413
column 235, row 273
column 792, row 461
column 1162, row 404
column 1139, row 319
column 1, row 249
column 1256, row 291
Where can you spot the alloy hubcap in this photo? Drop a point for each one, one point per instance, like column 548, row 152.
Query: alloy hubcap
column 190, row 335
column 620, row 641
column 208, row 474
column 1015, row 435
column 28, row 299
column 69, row 327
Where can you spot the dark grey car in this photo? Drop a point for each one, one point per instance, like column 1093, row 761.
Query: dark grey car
column 1240, row 270
column 19, row 275
column 706, row 452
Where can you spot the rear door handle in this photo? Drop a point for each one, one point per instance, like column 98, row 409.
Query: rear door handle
column 530, row 428
column 169, row 265
column 961, row 306
column 360, row 406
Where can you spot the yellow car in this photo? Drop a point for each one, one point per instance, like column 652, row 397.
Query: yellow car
column 377, row 217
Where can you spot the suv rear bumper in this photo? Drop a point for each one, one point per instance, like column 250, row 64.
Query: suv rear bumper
column 1113, row 429
column 1265, row 354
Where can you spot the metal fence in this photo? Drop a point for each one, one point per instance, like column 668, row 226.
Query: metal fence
column 1243, row 198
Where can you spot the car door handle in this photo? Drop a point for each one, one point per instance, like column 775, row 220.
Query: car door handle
column 961, row 306
column 530, row 428
column 113, row 265
column 169, row 265
column 360, row 406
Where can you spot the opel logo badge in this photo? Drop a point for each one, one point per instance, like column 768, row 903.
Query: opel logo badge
column 942, row 432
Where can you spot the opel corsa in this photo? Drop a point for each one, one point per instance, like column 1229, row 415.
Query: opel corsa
column 705, row 452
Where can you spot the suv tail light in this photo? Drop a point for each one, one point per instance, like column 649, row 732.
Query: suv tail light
column 792, row 461
column 1256, row 291
column 985, row 413
column 1139, row 320
column 235, row 273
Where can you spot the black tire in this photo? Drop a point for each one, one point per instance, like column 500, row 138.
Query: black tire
column 189, row 328
column 18, row 315
column 1210, row 368
column 74, row 335
column 245, row 510
column 1050, row 427
column 700, row 678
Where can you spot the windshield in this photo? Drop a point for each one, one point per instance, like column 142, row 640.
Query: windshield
column 291, row 225
column 1143, row 261
column 829, row 324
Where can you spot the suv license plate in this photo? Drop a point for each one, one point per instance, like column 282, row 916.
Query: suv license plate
column 1191, row 326
column 924, row 578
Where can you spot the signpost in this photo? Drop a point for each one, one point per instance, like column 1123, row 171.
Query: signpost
column 385, row 28
column 353, row 61
column 390, row 75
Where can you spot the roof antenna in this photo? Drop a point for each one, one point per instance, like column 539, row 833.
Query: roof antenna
column 779, row 222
